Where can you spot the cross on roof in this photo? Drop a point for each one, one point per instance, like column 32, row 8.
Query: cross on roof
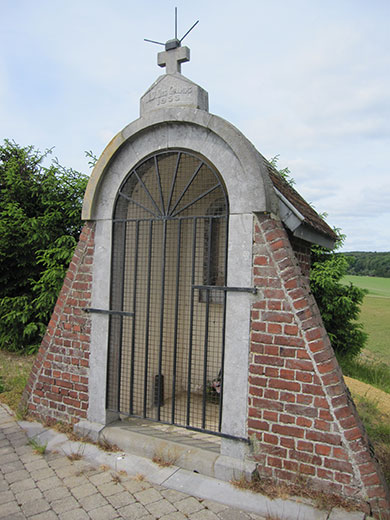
column 173, row 56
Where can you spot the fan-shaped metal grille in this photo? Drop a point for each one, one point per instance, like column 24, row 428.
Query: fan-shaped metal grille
column 170, row 185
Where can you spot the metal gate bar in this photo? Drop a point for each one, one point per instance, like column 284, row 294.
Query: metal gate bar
column 168, row 218
column 177, row 294
column 92, row 310
column 147, row 320
column 191, row 324
column 164, row 246
column 123, row 253
column 252, row 290
column 174, row 177
column 206, row 331
column 174, row 214
column 148, row 194
column 134, row 321
column 172, row 211
column 159, row 184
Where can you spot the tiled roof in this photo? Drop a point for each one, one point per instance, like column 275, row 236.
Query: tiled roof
column 311, row 217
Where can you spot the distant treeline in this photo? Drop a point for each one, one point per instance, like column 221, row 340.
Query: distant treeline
column 368, row 264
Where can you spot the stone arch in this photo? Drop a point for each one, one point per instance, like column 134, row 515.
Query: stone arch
column 245, row 177
column 249, row 190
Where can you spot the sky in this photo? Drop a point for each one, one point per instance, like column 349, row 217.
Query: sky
column 308, row 80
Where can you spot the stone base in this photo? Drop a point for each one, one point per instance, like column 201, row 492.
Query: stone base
column 88, row 429
column 165, row 449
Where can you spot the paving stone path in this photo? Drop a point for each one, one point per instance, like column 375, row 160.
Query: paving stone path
column 51, row 486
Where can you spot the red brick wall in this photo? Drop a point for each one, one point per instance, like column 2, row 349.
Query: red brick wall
column 302, row 253
column 58, row 385
column 301, row 417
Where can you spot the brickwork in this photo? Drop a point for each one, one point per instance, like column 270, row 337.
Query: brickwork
column 302, row 253
column 58, row 385
column 301, row 417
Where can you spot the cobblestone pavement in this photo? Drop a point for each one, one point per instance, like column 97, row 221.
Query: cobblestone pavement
column 51, row 486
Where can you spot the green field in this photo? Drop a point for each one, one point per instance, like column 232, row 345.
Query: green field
column 375, row 285
column 375, row 314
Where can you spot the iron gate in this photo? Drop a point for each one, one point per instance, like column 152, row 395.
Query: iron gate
column 168, row 293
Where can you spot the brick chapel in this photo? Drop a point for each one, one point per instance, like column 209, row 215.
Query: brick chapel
column 187, row 305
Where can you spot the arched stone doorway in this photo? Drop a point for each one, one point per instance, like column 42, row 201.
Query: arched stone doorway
column 168, row 292
column 239, row 170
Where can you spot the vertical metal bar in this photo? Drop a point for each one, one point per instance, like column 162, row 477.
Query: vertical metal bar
column 123, row 264
column 173, row 182
column 164, row 246
column 191, row 323
column 176, row 321
column 223, row 324
column 147, row 318
column 159, row 185
column 134, row 318
column 206, row 328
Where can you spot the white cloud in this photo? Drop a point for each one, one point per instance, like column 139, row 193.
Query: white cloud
column 307, row 80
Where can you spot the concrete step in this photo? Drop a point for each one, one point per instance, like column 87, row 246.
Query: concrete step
column 179, row 448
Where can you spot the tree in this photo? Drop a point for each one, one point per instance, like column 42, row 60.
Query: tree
column 339, row 304
column 40, row 210
column 285, row 173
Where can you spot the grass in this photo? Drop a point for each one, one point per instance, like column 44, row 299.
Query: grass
column 104, row 445
column 377, row 425
column 160, row 461
column 293, row 489
column 14, row 372
column 116, row 478
column 165, row 459
column 375, row 373
column 375, row 314
column 38, row 448
column 74, row 455
column 375, row 285
column 373, row 366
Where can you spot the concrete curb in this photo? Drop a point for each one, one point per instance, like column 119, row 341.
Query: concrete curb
column 185, row 481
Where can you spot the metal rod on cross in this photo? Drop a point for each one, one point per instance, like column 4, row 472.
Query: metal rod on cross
column 172, row 44
column 189, row 30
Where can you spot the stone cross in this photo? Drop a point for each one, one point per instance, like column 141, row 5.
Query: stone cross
column 173, row 58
